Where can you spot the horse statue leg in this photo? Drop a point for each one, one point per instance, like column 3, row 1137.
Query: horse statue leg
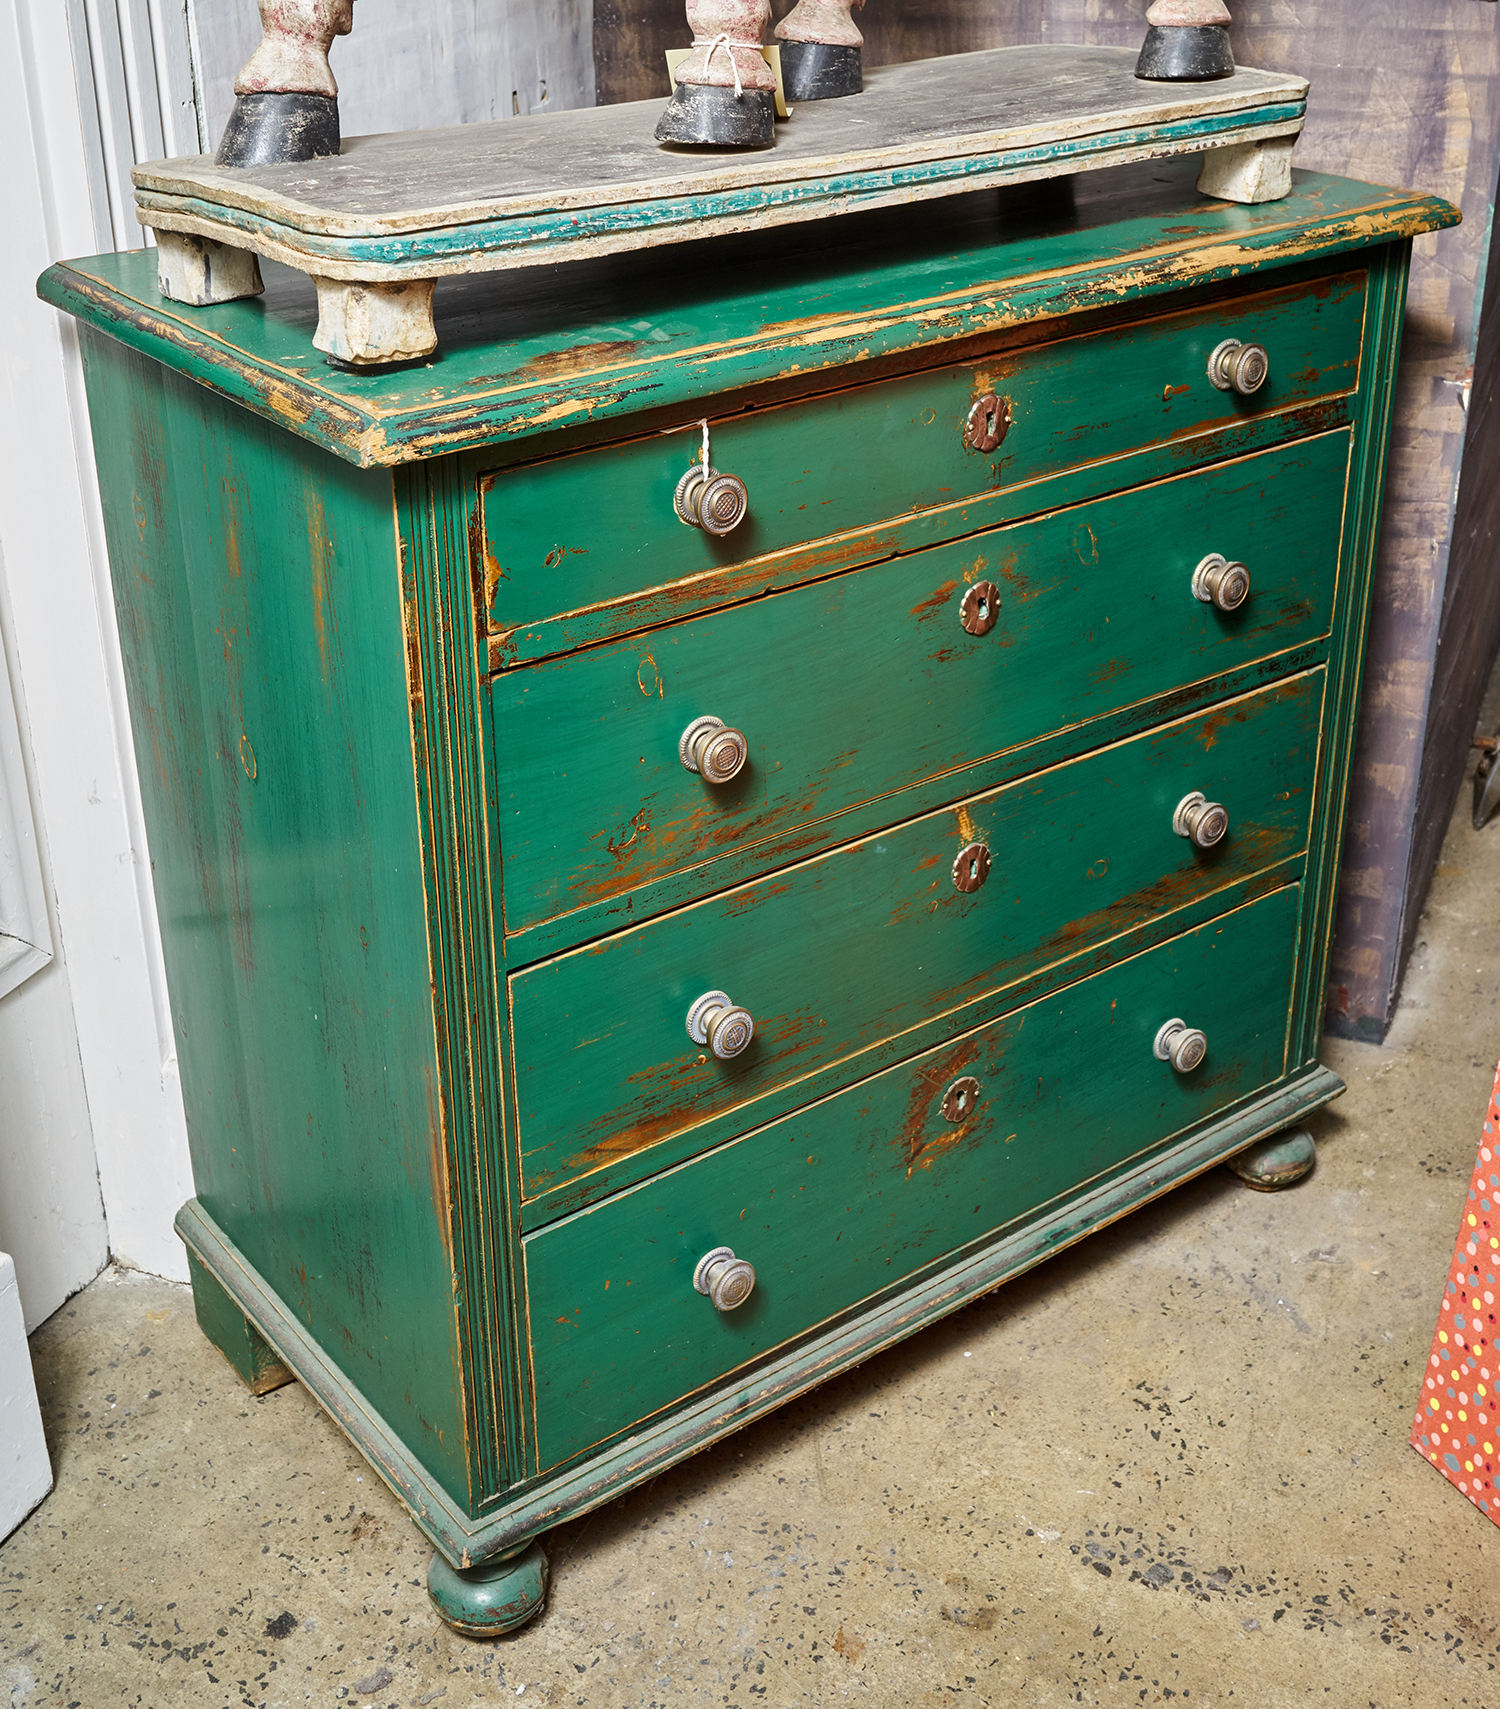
column 724, row 94
column 286, row 100
column 820, row 50
column 1187, row 41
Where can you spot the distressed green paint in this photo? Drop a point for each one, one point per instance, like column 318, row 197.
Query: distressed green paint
column 593, row 527
column 454, row 788
column 257, row 592
column 886, row 689
column 573, row 350
column 1081, row 854
column 704, row 1419
column 779, row 571
column 840, row 1203
column 321, row 753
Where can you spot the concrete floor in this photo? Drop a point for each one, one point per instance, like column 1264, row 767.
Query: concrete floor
column 1172, row 1464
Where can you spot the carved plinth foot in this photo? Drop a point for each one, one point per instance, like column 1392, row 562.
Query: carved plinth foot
column 818, row 71
column 199, row 271
column 272, row 128
column 710, row 117
column 1277, row 1162
column 489, row 1600
column 1248, row 171
column 368, row 325
column 258, row 1364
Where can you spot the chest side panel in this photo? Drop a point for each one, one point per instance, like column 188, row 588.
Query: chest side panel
column 258, row 596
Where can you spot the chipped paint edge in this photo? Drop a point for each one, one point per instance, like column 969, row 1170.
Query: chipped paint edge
column 371, row 438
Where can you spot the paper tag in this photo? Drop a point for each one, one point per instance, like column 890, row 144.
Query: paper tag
column 771, row 55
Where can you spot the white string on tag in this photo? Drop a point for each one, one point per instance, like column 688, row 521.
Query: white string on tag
column 714, row 43
column 666, row 432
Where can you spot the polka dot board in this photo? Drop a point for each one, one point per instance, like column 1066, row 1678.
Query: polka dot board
column 1457, row 1427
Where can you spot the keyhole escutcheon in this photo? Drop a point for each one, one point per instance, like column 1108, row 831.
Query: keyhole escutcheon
column 988, row 423
column 972, row 867
column 960, row 1098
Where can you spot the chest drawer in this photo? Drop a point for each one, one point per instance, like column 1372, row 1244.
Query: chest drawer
column 854, row 1196
column 854, row 689
column 838, row 954
column 585, row 530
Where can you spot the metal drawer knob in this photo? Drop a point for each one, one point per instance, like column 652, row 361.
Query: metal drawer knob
column 1236, row 367
column 1181, row 1045
column 1204, row 823
column 709, row 747
column 728, row 1281
column 1220, row 583
column 715, row 1021
column 709, row 500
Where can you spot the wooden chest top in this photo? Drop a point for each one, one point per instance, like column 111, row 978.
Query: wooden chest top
column 573, row 350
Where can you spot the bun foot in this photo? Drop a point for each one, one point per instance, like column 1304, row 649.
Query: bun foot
column 489, row 1600
column 1277, row 1162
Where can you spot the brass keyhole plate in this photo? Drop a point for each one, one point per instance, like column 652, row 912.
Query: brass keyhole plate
column 960, row 1100
column 971, row 868
column 988, row 423
column 979, row 610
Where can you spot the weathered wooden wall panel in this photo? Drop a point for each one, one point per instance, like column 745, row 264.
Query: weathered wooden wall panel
column 1470, row 620
column 447, row 62
column 1400, row 95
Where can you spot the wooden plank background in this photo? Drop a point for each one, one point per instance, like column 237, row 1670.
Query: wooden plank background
column 1401, row 94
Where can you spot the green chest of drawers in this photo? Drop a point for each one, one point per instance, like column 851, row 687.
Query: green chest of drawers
column 414, row 659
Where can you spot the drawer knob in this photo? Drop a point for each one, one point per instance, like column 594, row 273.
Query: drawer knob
column 1204, row 823
column 1181, row 1045
column 1236, row 367
column 971, row 868
column 1220, row 583
column 988, row 423
column 709, row 747
column 715, row 1021
column 709, row 500
column 728, row 1281
column 979, row 609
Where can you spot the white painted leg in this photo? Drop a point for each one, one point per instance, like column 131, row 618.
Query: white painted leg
column 199, row 271
column 1249, row 171
column 375, row 323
